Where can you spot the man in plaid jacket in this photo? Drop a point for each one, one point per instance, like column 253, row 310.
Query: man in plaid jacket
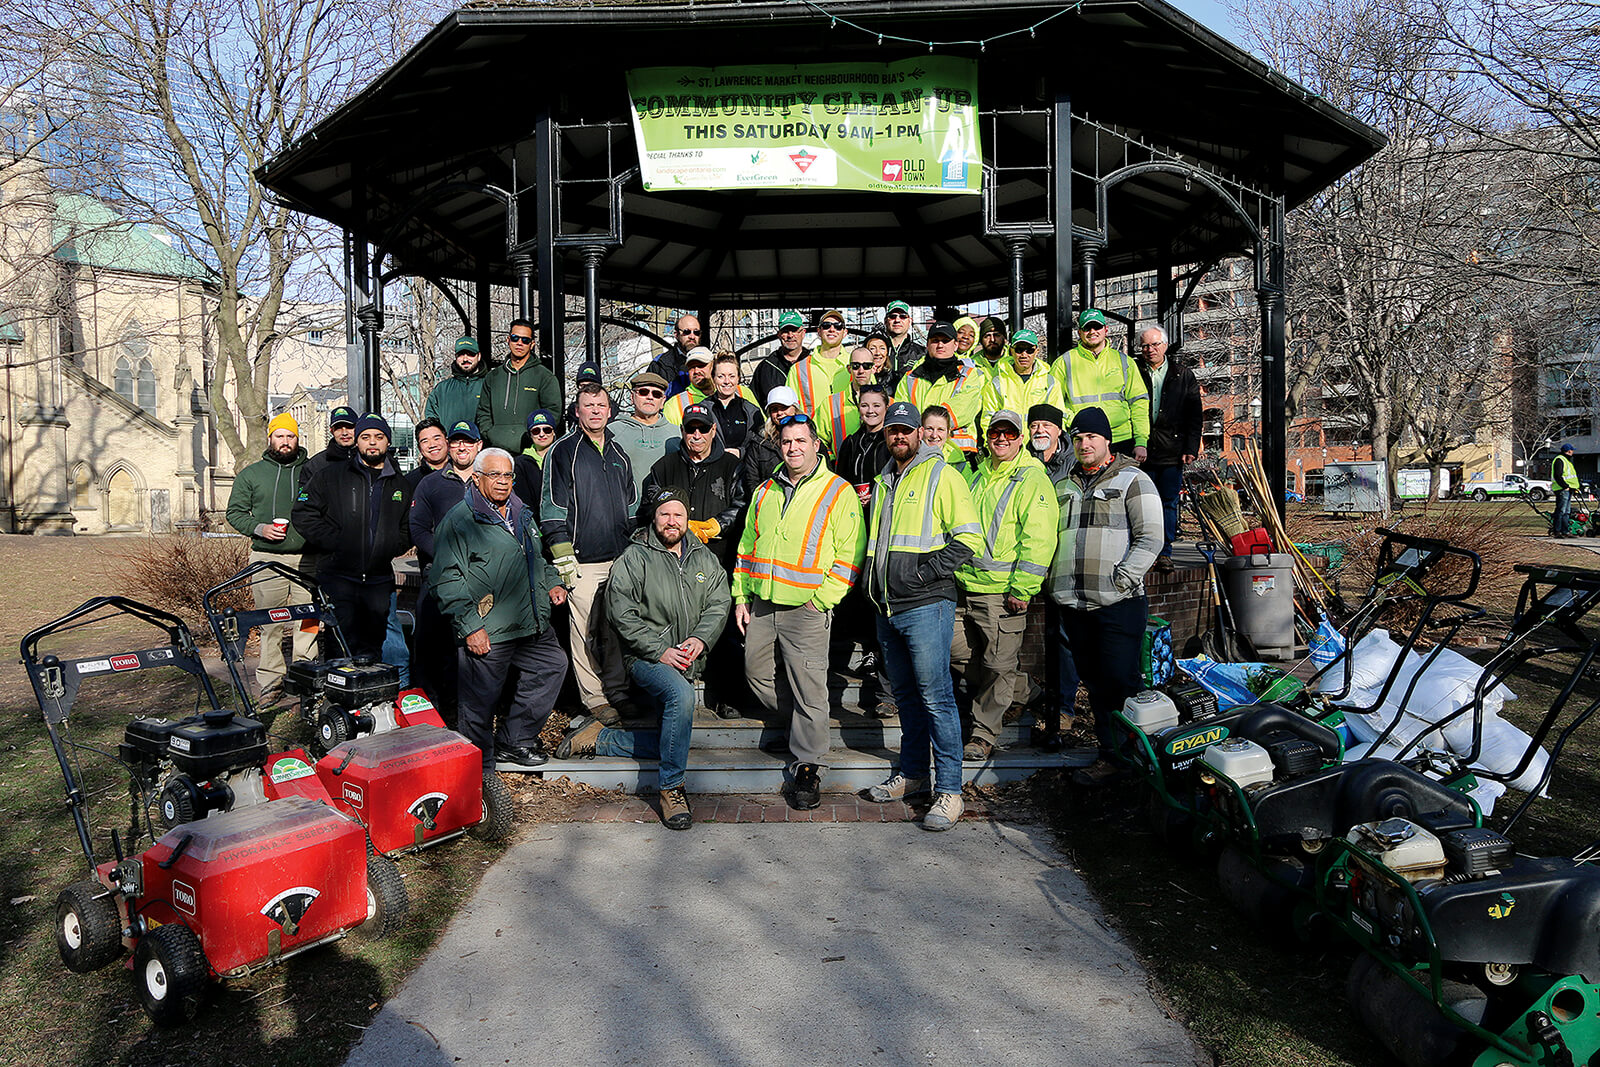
column 1109, row 534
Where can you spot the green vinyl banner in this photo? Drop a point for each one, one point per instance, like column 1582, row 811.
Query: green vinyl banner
column 910, row 126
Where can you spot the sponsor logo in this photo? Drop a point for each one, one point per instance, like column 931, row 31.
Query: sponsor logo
column 181, row 744
column 700, row 577
column 802, row 159
column 129, row 662
column 1199, row 740
column 396, row 495
column 354, row 794
column 415, row 702
column 183, row 897
column 894, row 170
column 954, row 174
column 278, row 614
column 289, row 768
column 94, row 666
column 302, row 495
column 290, row 906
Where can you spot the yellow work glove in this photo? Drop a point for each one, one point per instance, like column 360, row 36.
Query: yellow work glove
column 705, row 529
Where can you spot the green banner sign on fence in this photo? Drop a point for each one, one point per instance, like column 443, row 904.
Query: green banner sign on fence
column 910, row 126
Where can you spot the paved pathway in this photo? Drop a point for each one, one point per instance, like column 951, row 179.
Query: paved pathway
column 610, row 942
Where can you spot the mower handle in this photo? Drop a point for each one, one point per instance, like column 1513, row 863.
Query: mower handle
column 177, row 632
column 1429, row 550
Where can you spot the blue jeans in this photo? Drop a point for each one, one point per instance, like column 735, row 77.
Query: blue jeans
column 395, row 651
column 916, row 651
column 1563, row 520
column 668, row 689
column 1169, row 480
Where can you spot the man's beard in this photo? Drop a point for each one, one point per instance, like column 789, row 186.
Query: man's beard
column 670, row 538
column 374, row 461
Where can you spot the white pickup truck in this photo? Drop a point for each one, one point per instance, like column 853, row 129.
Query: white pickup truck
column 1511, row 485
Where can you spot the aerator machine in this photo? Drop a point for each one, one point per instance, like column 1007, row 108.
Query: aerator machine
column 214, row 898
column 385, row 756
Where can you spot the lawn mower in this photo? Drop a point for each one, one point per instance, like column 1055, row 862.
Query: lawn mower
column 1276, row 824
column 219, row 897
column 389, row 760
column 1583, row 515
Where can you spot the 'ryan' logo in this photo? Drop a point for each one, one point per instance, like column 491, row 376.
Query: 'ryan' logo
column 1199, row 740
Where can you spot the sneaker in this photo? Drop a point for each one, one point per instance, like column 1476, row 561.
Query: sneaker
column 898, row 787
column 579, row 742
column 606, row 714
column 1096, row 774
column 946, row 810
column 675, row 813
column 977, row 749
column 886, row 709
column 807, row 790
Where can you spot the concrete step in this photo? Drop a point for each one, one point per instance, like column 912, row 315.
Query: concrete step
column 850, row 730
column 717, row 770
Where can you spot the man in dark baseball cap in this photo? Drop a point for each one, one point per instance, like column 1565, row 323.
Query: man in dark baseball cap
column 903, row 413
column 341, row 442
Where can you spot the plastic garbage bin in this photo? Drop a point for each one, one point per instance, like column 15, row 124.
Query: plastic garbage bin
column 1260, row 590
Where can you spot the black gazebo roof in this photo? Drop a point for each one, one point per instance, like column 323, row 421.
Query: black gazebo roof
column 402, row 164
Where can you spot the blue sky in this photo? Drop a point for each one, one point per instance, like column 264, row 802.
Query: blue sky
column 1211, row 13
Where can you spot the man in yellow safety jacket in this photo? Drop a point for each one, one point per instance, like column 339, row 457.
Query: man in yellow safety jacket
column 943, row 379
column 1021, row 378
column 825, row 371
column 923, row 528
column 1093, row 374
column 840, row 416
column 800, row 553
column 1016, row 506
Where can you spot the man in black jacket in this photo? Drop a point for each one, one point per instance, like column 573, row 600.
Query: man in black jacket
column 1174, row 428
column 356, row 515
column 773, row 371
column 432, row 499
column 341, row 443
column 669, row 365
column 586, row 512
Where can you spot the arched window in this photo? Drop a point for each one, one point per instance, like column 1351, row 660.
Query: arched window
column 147, row 385
column 122, row 379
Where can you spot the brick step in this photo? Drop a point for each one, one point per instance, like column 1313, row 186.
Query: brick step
column 850, row 729
column 754, row 771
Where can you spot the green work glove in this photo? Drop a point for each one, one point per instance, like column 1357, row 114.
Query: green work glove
column 566, row 562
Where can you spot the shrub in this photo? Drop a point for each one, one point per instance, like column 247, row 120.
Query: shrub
column 173, row 571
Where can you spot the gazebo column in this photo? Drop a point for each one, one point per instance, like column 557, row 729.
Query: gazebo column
column 592, row 255
column 1274, row 347
column 1089, row 249
column 1015, row 247
column 1059, row 331
column 480, row 312
column 547, row 225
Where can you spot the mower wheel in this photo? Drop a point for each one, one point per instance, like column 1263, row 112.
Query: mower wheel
column 387, row 902
column 495, row 823
column 88, row 926
column 170, row 970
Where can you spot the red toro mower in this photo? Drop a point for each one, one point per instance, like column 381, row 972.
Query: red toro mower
column 389, row 761
column 215, row 898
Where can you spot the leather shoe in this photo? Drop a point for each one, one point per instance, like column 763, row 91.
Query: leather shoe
column 728, row 711
column 807, row 791
column 521, row 755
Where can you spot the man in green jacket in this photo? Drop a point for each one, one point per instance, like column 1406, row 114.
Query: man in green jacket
column 668, row 600
column 492, row 582
column 455, row 399
column 259, row 506
column 513, row 391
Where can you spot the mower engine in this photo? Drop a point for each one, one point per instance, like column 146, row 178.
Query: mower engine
column 344, row 698
column 196, row 766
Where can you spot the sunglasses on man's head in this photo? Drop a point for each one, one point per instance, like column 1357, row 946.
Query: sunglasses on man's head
column 799, row 419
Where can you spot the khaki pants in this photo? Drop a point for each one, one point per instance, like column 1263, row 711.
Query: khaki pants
column 596, row 657
column 273, row 591
column 800, row 636
column 988, row 634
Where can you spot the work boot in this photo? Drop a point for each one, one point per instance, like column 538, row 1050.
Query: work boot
column 946, row 810
column 605, row 714
column 898, row 787
column 675, row 813
column 579, row 742
column 807, row 791
column 977, row 749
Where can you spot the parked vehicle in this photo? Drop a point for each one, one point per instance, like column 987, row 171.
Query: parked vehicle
column 1510, row 485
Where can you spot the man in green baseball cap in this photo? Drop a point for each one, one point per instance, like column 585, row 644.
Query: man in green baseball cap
column 1094, row 374
column 1021, row 379
column 905, row 351
column 455, row 399
column 773, row 371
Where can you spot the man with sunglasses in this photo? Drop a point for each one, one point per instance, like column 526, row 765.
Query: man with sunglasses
column 514, row 390
column 905, row 351
column 1021, row 378
column 841, row 414
column 826, row 370
column 669, row 365
column 645, row 434
column 923, row 529
column 1093, row 374
column 774, row 370
column 1016, row 507
column 800, row 553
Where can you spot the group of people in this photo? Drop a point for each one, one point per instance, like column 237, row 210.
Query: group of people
column 910, row 496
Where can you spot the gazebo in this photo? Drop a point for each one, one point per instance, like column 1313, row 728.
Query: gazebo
column 1106, row 137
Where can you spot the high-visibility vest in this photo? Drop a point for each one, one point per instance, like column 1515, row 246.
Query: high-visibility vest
column 963, row 398
column 817, row 376
column 916, row 512
column 1007, row 391
column 1017, row 509
column 1109, row 382
column 838, row 418
column 805, row 549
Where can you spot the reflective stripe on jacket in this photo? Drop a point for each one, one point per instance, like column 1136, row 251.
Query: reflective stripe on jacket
column 1007, row 391
column 818, row 376
column 1016, row 505
column 804, row 546
column 1109, row 382
column 963, row 398
column 923, row 527
column 838, row 419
